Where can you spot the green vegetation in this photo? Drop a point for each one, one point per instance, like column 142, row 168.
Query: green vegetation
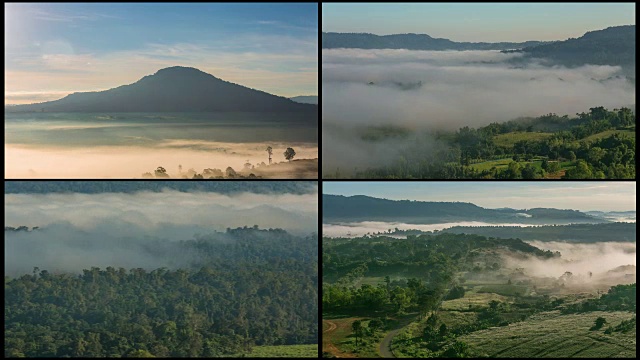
column 550, row 334
column 599, row 144
column 510, row 139
column 293, row 351
column 462, row 301
column 245, row 287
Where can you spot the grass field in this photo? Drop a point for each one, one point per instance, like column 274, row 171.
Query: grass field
column 499, row 164
column 510, row 139
column 551, row 334
column 608, row 133
column 296, row 351
column 505, row 290
column 476, row 300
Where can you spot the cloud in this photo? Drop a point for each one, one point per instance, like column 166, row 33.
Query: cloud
column 112, row 229
column 427, row 91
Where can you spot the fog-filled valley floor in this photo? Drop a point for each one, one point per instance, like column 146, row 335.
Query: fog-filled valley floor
column 393, row 113
column 134, row 145
column 184, row 264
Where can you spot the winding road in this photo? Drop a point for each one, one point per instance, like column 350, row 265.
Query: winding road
column 385, row 344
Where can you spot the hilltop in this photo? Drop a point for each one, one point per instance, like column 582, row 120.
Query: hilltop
column 173, row 89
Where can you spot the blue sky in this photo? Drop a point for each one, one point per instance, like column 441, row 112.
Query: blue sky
column 54, row 49
column 606, row 196
column 490, row 22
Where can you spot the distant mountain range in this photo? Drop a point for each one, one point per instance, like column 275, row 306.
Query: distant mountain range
column 611, row 46
column 310, row 99
column 332, row 40
column 174, row 89
column 337, row 208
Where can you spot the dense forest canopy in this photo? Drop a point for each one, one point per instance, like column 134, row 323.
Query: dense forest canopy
column 244, row 287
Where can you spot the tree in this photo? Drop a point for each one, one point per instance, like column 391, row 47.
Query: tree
column 600, row 321
column 269, row 151
column 289, row 154
column 375, row 324
column 580, row 171
column 357, row 329
column 161, row 172
column 230, row 172
column 572, row 156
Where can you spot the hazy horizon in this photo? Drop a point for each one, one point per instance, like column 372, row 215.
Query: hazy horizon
column 582, row 196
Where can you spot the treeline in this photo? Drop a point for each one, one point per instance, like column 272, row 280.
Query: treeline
column 95, row 187
column 618, row 298
column 430, row 261
column 237, row 294
column 426, row 255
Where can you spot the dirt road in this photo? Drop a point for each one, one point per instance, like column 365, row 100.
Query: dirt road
column 327, row 341
column 385, row 344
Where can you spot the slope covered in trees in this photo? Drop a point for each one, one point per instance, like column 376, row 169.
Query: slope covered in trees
column 242, row 288
column 599, row 144
column 611, row 46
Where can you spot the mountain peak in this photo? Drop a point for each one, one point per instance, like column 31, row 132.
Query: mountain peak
column 173, row 89
column 179, row 69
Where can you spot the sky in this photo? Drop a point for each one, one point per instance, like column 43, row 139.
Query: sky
column 583, row 196
column 52, row 50
column 482, row 22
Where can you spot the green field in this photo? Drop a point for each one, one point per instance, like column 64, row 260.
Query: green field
column 475, row 300
column 551, row 334
column 608, row 133
column 303, row 351
column 509, row 139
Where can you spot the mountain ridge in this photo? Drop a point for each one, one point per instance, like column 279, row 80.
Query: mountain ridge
column 339, row 208
column 172, row 89
column 411, row 41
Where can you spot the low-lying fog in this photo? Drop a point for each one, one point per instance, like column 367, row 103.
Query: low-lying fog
column 128, row 145
column 580, row 259
column 82, row 230
column 127, row 162
column 361, row 228
column 444, row 90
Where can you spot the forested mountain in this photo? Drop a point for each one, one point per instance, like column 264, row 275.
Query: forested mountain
column 94, row 187
column 242, row 288
column 174, row 89
column 611, row 46
column 337, row 208
column 332, row 40
column 570, row 233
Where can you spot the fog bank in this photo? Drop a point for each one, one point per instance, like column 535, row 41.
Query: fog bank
column 78, row 231
column 580, row 259
column 426, row 91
